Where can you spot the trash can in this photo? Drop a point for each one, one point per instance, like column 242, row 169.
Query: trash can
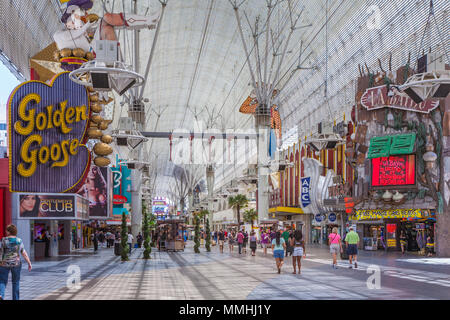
column 117, row 249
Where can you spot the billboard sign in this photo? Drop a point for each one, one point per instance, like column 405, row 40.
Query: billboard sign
column 394, row 171
column 51, row 206
column 379, row 97
column 98, row 189
column 47, row 126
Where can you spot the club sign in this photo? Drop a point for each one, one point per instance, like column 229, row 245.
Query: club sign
column 47, row 126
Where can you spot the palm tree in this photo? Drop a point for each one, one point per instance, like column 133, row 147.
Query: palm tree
column 239, row 201
column 250, row 216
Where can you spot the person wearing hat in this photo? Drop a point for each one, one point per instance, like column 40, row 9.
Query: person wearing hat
column 352, row 240
column 79, row 29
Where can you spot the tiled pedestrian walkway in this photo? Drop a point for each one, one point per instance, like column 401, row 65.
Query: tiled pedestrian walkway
column 212, row 275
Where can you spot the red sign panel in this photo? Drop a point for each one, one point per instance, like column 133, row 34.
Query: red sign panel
column 379, row 97
column 119, row 199
column 394, row 171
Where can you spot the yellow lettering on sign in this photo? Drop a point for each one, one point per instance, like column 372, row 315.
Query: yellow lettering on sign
column 73, row 149
column 65, row 159
column 29, row 157
column 81, row 113
column 70, row 114
column 26, row 116
column 30, row 120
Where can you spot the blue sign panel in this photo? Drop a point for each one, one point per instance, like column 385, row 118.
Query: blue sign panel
column 318, row 217
column 306, row 200
column 332, row 217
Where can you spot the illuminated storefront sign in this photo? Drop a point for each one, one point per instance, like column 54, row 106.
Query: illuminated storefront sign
column 394, row 171
column 379, row 97
column 389, row 214
column 47, row 132
column 51, row 206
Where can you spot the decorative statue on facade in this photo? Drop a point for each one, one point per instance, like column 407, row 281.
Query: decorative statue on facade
column 76, row 43
column 251, row 103
column 77, row 46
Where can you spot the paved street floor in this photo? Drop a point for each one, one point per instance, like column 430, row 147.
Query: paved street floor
column 227, row 276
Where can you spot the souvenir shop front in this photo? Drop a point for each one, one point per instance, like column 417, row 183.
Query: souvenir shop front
column 382, row 229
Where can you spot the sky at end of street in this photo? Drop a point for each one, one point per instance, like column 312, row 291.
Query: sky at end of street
column 7, row 84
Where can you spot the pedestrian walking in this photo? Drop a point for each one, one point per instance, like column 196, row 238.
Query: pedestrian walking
column 47, row 237
column 290, row 248
column 334, row 241
column 273, row 235
column 430, row 245
column 352, row 240
column 139, row 239
column 108, row 239
column 285, row 236
column 95, row 240
column 215, row 236
column 265, row 241
column 130, row 241
column 244, row 244
column 221, row 238
column 10, row 249
column 231, row 241
column 278, row 246
column 253, row 243
column 299, row 251
column 403, row 242
column 240, row 240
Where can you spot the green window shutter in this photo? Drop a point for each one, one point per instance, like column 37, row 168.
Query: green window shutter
column 379, row 147
column 403, row 144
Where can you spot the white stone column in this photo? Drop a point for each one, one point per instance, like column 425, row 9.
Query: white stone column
column 263, row 130
column 136, row 202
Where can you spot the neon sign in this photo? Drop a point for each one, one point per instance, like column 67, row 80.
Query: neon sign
column 47, row 131
column 394, row 171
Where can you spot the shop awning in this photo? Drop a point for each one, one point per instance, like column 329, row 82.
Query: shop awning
column 391, row 145
column 390, row 214
column 290, row 210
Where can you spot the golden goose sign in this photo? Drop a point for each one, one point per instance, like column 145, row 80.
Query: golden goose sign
column 47, row 131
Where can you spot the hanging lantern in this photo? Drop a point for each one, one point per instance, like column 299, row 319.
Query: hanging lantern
column 106, row 138
column 101, row 161
column 102, row 149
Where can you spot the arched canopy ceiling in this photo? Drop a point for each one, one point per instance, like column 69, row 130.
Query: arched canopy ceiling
column 199, row 69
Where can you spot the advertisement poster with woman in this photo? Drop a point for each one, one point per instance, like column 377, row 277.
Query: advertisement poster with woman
column 98, row 190
column 44, row 206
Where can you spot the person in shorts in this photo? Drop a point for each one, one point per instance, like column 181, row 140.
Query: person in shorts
column 352, row 240
column 231, row 241
column 221, row 237
column 253, row 243
column 298, row 245
column 265, row 241
column 10, row 249
column 244, row 244
column 278, row 247
column 334, row 241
